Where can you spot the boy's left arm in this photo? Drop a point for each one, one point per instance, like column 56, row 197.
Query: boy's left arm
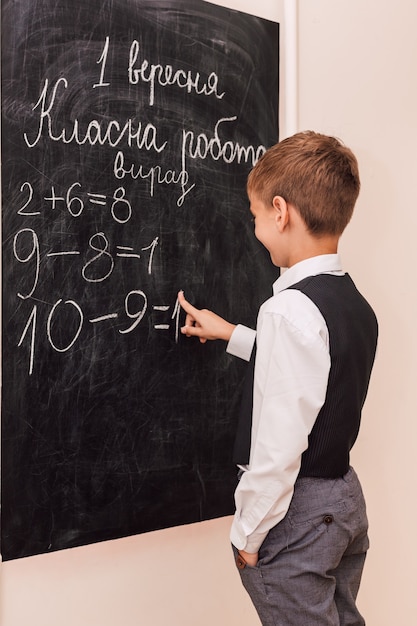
column 291, row 374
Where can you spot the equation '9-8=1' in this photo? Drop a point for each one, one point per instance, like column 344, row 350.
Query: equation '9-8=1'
column 96, row 269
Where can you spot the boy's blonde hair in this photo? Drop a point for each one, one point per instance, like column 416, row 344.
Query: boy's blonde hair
column 315, row 173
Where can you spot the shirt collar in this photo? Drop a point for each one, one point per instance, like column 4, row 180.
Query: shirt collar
column 323, row 264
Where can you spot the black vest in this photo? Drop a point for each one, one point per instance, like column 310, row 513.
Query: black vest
column 353, row 332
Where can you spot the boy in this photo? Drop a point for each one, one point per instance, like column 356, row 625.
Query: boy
column 300, row 528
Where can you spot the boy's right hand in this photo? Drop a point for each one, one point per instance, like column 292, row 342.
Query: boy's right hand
column 203, row 323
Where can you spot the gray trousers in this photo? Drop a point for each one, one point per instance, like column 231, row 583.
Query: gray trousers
column 310, row 564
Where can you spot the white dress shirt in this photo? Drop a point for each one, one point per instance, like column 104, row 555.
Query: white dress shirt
column 290, row 380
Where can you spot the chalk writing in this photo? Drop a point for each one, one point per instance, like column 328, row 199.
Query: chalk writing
column 110, row 133
column 97, row 267
column 79, row 314
column 52, row 328
column 98, row 262
column 133, row 133
column 103, row 61
column 102, row 247
column 33, row 254
column 29, row 187
column 166, row 75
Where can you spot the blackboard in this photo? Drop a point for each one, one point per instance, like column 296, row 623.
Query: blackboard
column 129, row 127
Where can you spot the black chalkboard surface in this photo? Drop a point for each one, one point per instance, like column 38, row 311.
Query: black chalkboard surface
column 129, row 127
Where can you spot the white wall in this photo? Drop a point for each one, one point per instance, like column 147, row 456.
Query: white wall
column 357, row 79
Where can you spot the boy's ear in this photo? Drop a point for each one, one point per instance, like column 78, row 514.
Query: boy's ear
column 281, row 212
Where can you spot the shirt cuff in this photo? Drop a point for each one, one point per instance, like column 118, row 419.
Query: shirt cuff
column 241, row 342
column 239, row 539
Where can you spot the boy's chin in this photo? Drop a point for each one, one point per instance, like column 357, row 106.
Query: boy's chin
column 275, row 261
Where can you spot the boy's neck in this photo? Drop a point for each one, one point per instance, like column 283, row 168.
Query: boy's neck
column 312, row 246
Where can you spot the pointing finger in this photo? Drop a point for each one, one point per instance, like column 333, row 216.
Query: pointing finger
column 188, row 308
